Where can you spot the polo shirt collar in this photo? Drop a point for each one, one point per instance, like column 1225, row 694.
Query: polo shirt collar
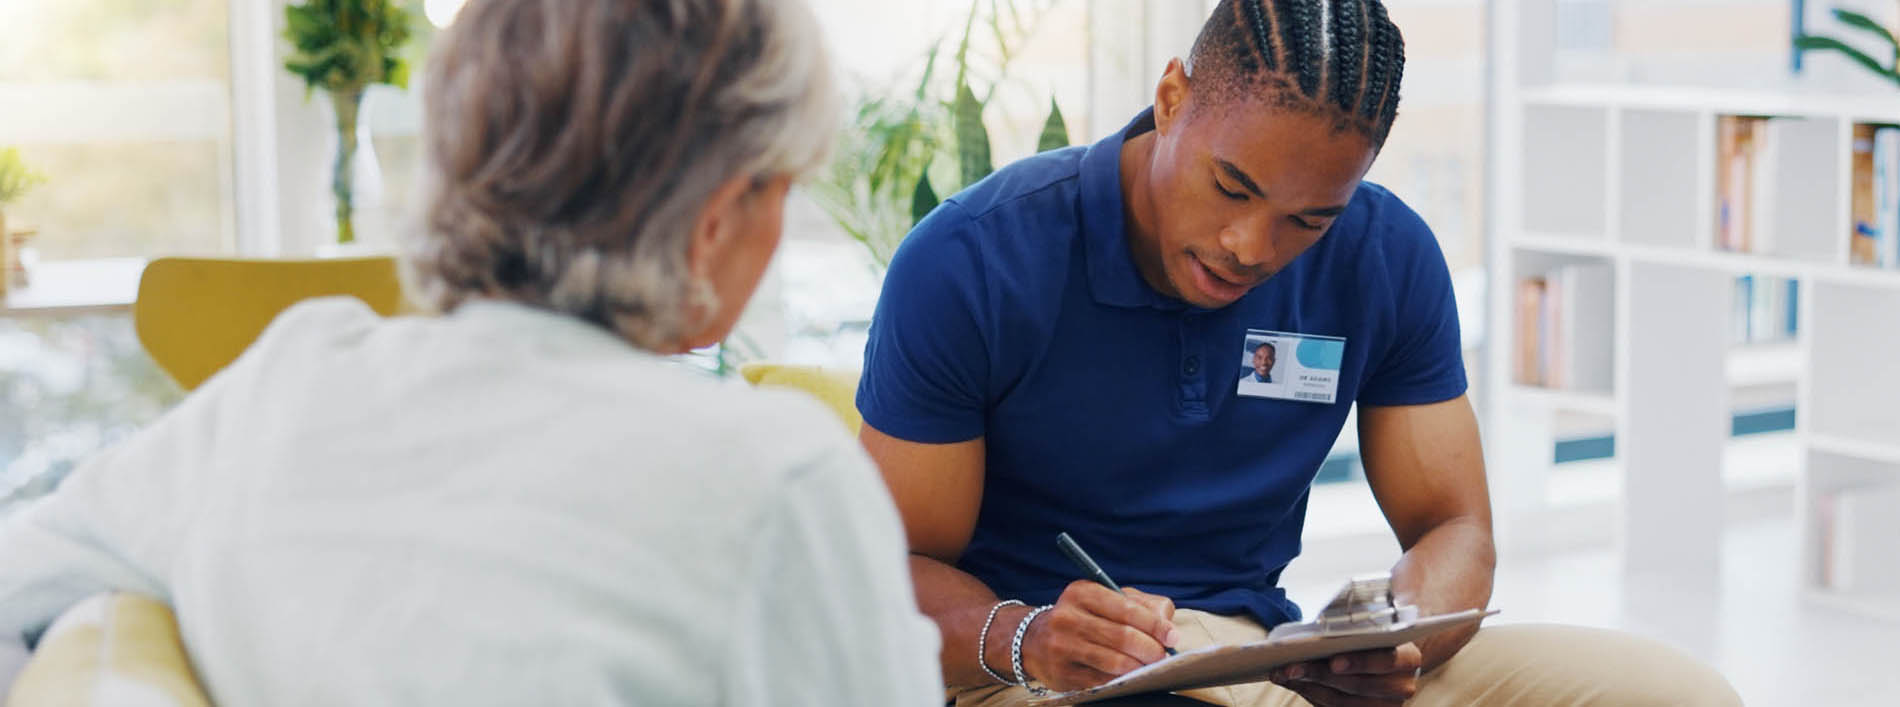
column 1113, row 277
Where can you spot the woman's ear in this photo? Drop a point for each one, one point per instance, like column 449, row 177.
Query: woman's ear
column 1171, row 96
column 721, row 221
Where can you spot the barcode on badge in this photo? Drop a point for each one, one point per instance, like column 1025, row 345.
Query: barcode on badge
column 1317, row 397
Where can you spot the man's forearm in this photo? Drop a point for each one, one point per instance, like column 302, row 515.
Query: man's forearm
column 1450, row 569
column 959, row 603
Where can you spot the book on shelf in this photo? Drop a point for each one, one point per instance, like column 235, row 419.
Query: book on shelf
column 1875, row 198
column 1864, row 237
column 1745, row 163
column 1530, row 311
column 1886, row 195
column 1856, row 527
column 1766, row 310
column 1565, row 326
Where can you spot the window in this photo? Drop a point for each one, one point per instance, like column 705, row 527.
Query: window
column 816, row 304
column 1726, row 44
column 125, row 106
column 128, row 108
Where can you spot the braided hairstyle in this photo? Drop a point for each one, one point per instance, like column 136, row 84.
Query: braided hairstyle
column 1339, row 58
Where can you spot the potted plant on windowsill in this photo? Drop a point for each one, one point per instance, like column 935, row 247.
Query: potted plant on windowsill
column 16, row 179
column 343, row 47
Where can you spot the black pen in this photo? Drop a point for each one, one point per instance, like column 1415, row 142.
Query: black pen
column 1087, row 565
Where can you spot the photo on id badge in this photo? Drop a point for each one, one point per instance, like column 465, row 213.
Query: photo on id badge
column 1285, row 366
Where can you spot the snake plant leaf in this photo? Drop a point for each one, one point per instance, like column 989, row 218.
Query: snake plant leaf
column 963, row 45
column 999, row 34
column 930, row 70
column 1811, row 42
column 1855, row 19
column 923, row 201
column 1055, row 131
column 973, row 139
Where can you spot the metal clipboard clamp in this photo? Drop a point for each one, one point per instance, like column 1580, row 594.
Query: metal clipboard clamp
column 1364, row 605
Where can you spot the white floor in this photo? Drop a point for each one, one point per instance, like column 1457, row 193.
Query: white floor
column 1776, row 648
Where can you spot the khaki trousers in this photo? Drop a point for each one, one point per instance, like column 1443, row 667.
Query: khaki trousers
column 1526, row 664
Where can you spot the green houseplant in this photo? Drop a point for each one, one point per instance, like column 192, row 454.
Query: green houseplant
column 343, row 47
column 16, row 179
column 1887, row 65
column 902, row 151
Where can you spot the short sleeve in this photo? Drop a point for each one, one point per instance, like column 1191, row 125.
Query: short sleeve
column 927, row 363
column 1424, row 361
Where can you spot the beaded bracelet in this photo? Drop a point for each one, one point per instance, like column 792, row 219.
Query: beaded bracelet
column 1016, row 650
column 983, row 639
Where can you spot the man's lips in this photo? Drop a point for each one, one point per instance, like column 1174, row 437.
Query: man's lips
column 1225, row 278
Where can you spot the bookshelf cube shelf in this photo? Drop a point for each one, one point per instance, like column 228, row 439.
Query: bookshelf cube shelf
column 1658, row 196
column 1565, row 325
column 1855, row 380
column 1802, row 219
column 1637, row 182
column 1565, row 171
column 1849, row 530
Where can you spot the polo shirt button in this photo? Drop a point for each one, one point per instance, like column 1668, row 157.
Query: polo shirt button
column 1191, row 365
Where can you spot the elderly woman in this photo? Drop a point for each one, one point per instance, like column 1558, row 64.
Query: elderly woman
column 520, row 501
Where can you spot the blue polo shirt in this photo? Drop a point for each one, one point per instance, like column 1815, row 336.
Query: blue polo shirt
column 1014, row 313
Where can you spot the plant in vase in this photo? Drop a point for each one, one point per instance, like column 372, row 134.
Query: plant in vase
column 1887, row 65
column 343, row 47
column 16, row 179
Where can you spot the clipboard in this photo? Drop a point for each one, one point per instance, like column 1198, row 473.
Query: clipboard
column 1362, row 616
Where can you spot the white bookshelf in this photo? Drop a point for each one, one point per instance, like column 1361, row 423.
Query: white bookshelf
column 1626, row 176
column 1777, row 363
column 1603, row 403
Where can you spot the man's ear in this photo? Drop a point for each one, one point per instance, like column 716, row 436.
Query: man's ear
column 718, row 225
column 1171, row 96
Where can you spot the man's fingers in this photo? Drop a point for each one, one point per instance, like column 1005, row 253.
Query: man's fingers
column 1404, row 659
column 1109, row 661
column 1159, row 604
column 1120, row 637
column 1393, row 686
column 1120, row 608
column 1323, row 696
column 1396, row 686
column 1075, row 676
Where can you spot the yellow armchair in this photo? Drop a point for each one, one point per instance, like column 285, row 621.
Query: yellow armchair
column 838, row 390
column 196, row 315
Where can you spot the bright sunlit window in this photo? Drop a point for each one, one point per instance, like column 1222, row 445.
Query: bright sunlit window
column 125, row 107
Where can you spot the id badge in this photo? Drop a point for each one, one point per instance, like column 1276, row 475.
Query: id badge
column 1284, row 366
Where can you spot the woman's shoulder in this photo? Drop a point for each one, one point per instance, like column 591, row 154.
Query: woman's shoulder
column 720, row 423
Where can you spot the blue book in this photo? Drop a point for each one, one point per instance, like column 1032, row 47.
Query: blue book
column 1793, row 328
column 1887, row 196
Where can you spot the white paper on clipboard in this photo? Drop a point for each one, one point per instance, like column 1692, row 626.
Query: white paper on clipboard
column 1332, row 633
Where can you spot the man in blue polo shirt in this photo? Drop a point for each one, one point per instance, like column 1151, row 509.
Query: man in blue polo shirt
column 1053, row 353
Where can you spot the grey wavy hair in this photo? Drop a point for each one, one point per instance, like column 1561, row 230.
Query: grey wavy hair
column 573, row 144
